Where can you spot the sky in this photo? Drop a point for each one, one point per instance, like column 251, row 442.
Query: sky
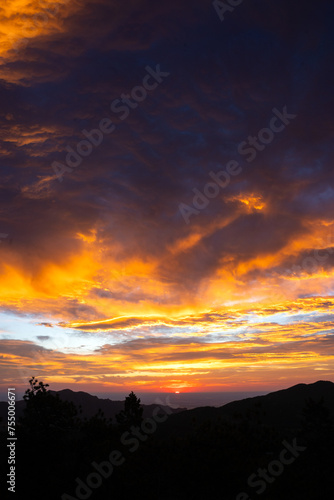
column 166, row 208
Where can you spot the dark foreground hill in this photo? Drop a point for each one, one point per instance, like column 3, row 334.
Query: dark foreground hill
column 274, row 447
column 281, row 409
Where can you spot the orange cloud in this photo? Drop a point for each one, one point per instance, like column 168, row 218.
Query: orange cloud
column 23, row 20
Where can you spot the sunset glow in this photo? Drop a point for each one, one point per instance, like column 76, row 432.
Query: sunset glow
column 103, row 283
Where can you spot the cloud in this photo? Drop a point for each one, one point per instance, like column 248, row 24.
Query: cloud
column 107, row 252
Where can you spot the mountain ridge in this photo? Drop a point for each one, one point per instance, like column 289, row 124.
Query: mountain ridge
column 281, row 408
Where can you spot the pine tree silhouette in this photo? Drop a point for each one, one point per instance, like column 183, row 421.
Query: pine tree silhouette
column 132, row 413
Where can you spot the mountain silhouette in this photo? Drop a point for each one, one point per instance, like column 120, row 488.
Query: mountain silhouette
column 282, row 409
column 201, row 453
column 90, row 405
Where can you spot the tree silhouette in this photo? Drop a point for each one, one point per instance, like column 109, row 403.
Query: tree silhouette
column 45, row 411
column 132, row 413
column 36, row 389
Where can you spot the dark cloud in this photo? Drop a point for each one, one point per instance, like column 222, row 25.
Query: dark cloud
column 26, row 349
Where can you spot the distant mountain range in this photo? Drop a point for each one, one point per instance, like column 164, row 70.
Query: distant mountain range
column 282, row 408
column 90, row 405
